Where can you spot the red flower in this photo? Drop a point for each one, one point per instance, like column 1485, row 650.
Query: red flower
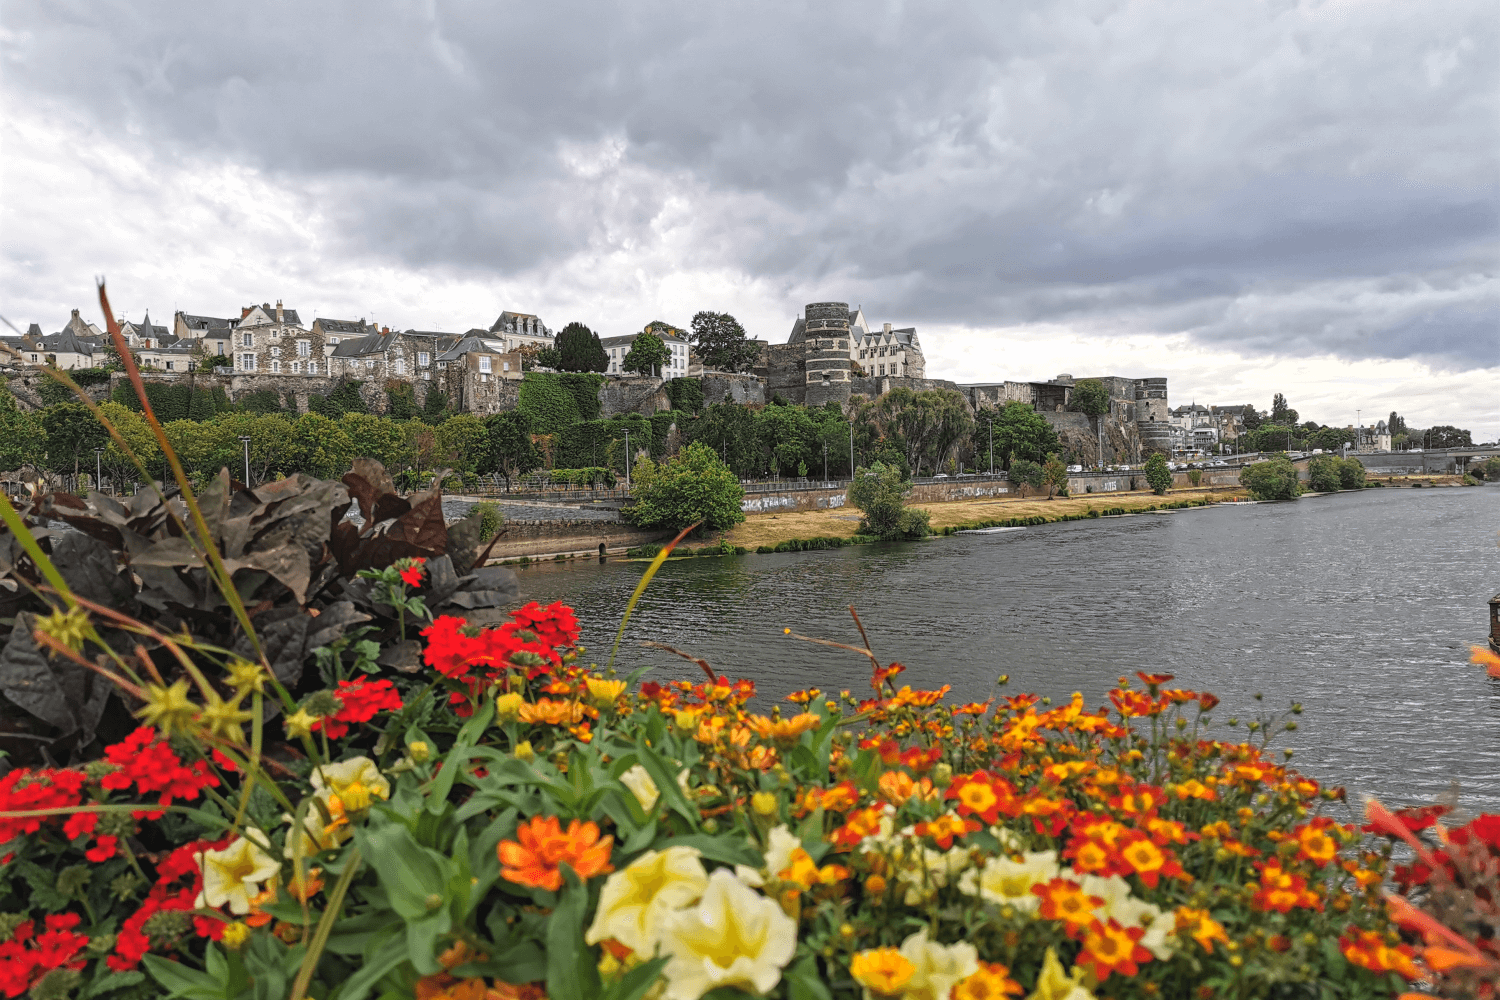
column 152, row 766
column 362, row 699
column 412, row 575
column 22, row 967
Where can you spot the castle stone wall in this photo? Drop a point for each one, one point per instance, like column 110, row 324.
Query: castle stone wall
column 644, row 395
column 726, row 388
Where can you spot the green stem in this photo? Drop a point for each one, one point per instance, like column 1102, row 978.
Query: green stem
column 325, row 927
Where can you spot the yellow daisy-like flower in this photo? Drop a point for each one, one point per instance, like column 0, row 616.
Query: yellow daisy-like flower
column 299, row 723
column 246, row 676
column 225, row 719
column 70, row 627
column 881, row 971
column 235, row 873
column 602, row 693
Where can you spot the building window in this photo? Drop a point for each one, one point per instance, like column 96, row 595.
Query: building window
column 333, row 340
column 296, row 368
column 484, row 364
column 505, row 366
column 247, row 362
column 170, row 365
column 370, row 365
column 423, row 359
column 312, row 368
column 275, row 352
column 33, row 359
column 220, row 343
column 400, row 366
column 304, row 349
column 276, row 367
column 247, row 340
column 427, row 376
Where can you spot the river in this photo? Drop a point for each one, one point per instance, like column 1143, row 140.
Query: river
column 1362, row 607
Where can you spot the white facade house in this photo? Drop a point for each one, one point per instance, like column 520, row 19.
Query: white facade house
column 678, row 350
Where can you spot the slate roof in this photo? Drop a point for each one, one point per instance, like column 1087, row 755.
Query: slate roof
column 507, row 317
column 65, row 341
column 288, row 316
column 34, row 330
column 359, row 347
column 471, row 344
column 208, row 324
column 146, row 329
column 343, row 326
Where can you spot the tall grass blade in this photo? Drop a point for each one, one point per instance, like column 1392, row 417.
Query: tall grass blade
column 640, row 588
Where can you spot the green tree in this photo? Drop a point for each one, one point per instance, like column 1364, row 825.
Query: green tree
column 1020, row 432
column 375, row 437
column 136, row 433
column 579, row 350
column 880, row 494
column 1024, row 472
column 345, row 398
column 721, row 344
column 1351, row 474
column 1158, row 474
column 925, row 425
column 686, row 394
column 509, row 448
column 1323, row 474
column 1252, row 418
column 1281, row 413
column 23, row 439
column 1055, row 475
column 648, row 353
column 434, row 406
column 1092, row 398
column 692, row 486
column 732, row 431
column 1447, row 436
column 319, row 447
column 786, row 435
column 401, row 400
column 463, row 442
column 1273, row 479
column 1395, row 423
column 71, row 433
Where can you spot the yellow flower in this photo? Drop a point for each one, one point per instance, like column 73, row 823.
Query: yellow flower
column 508, row 707
column 1054, row 984
column 602, row 693
column 70, row 627
column 235, row 936
column 355, row 782
column 765, row 804
column 234, row 874
column 1008, row 882
column 299, row 723
column 881, row 971
column 316, row 836
column 937, row 967
column 641, row 786
column 168, row 708
column 246, row 676
column 524, row 751
column 634, row 901
column 733, row 937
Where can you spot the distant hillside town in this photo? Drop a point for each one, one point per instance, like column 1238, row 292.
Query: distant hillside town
column 832, row 355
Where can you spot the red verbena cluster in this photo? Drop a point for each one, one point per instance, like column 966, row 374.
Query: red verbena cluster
column 362, row 699
column 173, row 896
column 28, row 956
column 152, row 766
column 478, row 658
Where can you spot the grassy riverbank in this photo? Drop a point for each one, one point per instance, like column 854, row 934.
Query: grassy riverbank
column 843, row 522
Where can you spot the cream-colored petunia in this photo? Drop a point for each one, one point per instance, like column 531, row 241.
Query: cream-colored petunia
column 234, row 874
column 1130, row 911
column 938, row 967
column 356, row 781
column 1055, row 984
column 1008, row 882
column 638, row 780
column 316, row 835
column 781, row 849
column 635, row 900
column 734, row 936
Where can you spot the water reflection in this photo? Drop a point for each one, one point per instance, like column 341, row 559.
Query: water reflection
column 1362, row 607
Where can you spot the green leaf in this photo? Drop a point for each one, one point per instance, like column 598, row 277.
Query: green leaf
column 377, row 965
column 113, row 981
column 523, row 963
column 181, row 981
column 437, row 798
column 634, row 984
column 571, row 970
column 666, row 783
column 726, row 848
column 410, row 873
column 804, row 983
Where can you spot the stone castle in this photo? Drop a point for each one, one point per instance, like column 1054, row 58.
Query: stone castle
column 833, row 355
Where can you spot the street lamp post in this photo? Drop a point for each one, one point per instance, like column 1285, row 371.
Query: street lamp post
column 99, row 470
column 245, row 442
column 627, row 460
column 851, row 451
column 825, row 461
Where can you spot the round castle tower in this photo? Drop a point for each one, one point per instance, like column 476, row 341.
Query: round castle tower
column 826, row 351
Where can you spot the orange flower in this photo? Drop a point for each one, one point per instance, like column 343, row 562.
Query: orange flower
column 1282, row 890
column 862, row 823
column 896, row 787
column 882, row 970
column 1065, row 900
column 1200, row 926
column 1369, row 950
column 1110, row 948
column 991, row 982
column 943, row 829
column 541, row 845
column 552, row 713
column 783, row 732
column 1314, row 843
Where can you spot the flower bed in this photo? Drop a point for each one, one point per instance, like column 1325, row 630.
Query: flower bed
column 511, row 822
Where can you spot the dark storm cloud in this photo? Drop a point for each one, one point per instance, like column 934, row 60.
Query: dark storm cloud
column 1292, row 178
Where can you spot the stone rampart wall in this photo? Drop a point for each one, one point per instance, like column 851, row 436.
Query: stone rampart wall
column 642, row 394
column 725, row 388
column 879, row 385
column 292, row 388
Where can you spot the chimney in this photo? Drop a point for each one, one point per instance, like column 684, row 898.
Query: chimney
column 888, row 328
column 75, row 313
column 278, row 310
column 245, row 311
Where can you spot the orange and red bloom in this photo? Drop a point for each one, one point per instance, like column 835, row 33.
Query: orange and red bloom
column 542, row 846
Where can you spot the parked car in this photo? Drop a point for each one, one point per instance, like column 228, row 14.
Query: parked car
column 1075, row 468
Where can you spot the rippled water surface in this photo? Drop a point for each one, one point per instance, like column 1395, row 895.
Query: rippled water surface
column 1360, row 606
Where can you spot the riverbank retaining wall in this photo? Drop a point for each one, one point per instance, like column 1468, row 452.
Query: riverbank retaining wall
column 545, row 538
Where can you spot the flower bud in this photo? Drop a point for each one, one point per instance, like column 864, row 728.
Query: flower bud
column 418, row 751
column 524, row 751
column 942, row 775
column 508, row 707
column 765, row 804
column 235, row 936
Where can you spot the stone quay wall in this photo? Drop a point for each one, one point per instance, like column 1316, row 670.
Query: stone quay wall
column 548, row 538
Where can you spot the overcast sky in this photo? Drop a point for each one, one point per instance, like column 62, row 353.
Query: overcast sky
column 1244, row 197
